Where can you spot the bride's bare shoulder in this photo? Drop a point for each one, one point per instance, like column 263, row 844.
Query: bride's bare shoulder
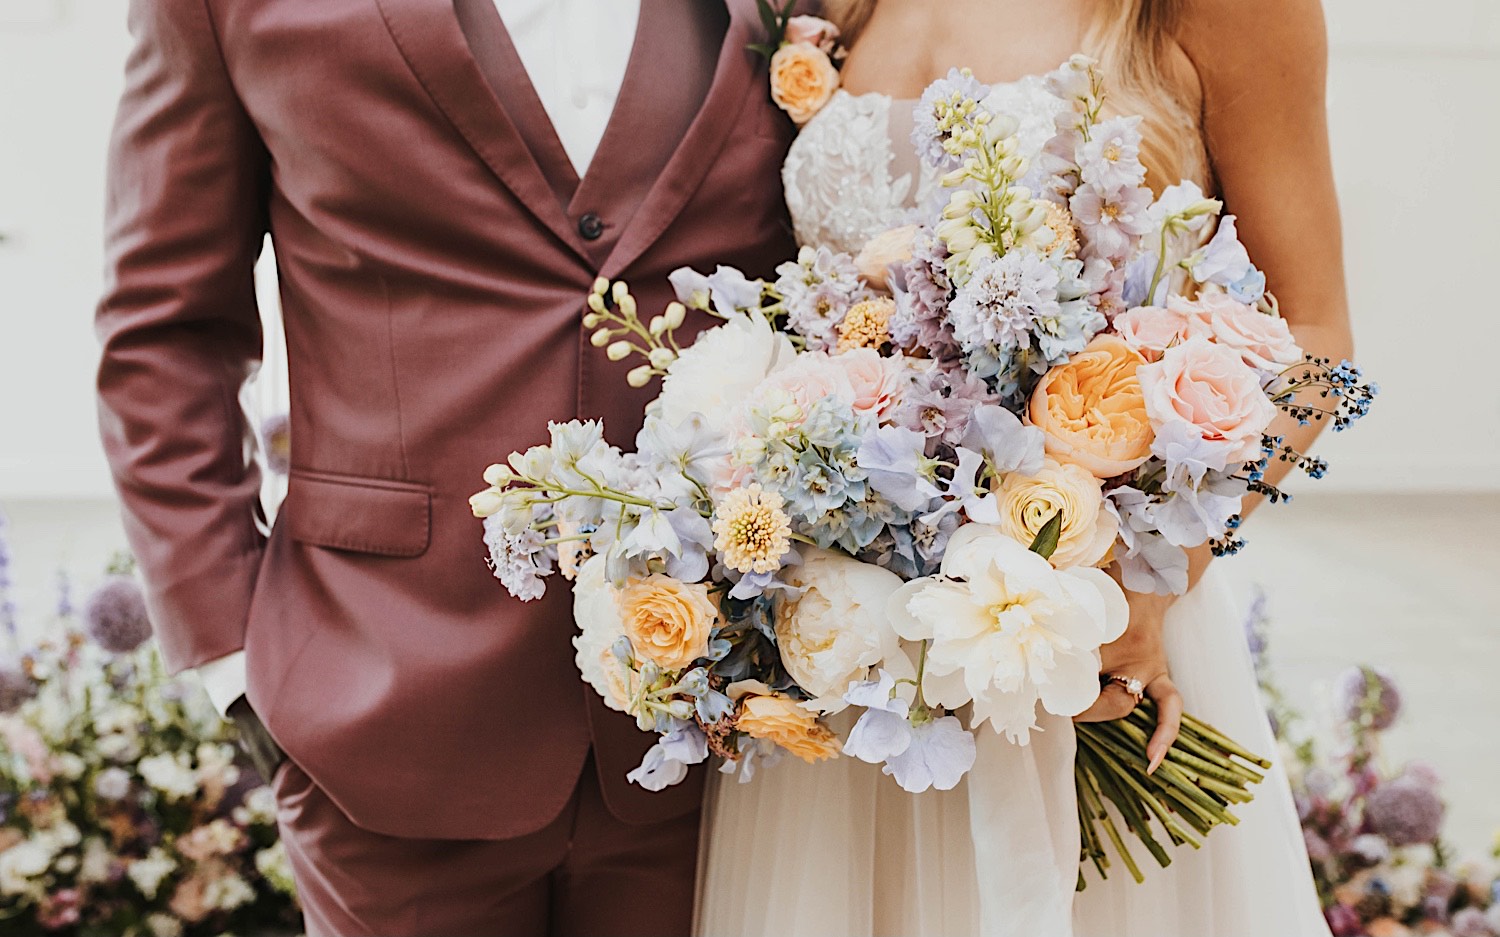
column 1276, row 46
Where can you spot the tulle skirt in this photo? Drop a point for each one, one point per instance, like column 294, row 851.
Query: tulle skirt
column 838, row 850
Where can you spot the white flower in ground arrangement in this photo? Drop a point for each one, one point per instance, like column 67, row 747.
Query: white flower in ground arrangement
column 596, row 609
column 719, row 370
column 1006, row 630
column 1028, row 502
column 833, row 625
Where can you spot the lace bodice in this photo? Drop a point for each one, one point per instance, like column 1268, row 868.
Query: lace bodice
column 852, row 172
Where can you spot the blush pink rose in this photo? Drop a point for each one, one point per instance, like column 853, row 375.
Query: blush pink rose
column 1209, row 388
column 1150, row 330
column 808, row 379
column 1263, row 341
column 877, row 382
column 813, row 30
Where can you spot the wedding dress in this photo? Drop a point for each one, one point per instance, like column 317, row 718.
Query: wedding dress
column 838, row 850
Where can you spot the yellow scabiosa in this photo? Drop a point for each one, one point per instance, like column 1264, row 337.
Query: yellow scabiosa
column 751, row 530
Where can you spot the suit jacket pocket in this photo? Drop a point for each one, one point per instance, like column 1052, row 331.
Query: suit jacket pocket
column 365, row 515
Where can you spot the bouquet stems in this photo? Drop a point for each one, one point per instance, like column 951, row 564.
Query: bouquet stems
column 1204, row 774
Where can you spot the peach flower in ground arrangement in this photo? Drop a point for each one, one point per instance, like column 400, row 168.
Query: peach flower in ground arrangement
column 803, row 79
column 1208, row 389
column 1092, row 411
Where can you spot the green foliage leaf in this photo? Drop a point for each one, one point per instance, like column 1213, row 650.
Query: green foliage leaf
column 1046, row 538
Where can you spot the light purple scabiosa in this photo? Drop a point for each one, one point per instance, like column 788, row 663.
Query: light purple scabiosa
column 519, row 560
column 933, row 122
column 1369, row 693
column 995, row 311
column 817, row 289
column 920, row 288
column 116, row 615
column 1111, row 159
column 940, row 403
column 1112, row 221
column 16, row 688
column 1405, row 810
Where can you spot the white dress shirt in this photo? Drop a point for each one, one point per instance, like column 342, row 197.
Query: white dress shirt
column 575, row 52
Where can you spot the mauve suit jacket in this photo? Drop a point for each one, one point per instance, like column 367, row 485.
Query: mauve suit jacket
column 432, row 281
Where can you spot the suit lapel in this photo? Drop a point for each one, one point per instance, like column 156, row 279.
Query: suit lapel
column 699, row 147
column 429, row 37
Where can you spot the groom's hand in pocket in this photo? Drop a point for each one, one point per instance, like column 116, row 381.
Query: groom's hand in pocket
column 1141, row 654
column 255, row 740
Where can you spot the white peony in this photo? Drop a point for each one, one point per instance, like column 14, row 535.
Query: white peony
column 835, row 627
column 172, row 775
column 1006, row 630
column 596, row 609
column 717, row 372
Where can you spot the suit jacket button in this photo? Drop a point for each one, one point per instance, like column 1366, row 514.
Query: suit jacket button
column 591, row 226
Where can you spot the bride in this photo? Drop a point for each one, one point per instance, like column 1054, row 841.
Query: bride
column 1233, row 95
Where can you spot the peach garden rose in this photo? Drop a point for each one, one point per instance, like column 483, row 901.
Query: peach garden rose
column 782, row 720
column 803, row 79
column 1151, row 330
column 1092, row 411
column 667, row 621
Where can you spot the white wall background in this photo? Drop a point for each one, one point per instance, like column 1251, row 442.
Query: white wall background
column 1413, row 117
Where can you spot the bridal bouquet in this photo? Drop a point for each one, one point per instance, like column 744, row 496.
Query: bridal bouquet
column 890, row 484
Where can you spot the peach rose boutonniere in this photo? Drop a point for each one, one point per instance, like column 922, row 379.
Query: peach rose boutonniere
column 803, row 52
column 1092, row 410
column 783, row 721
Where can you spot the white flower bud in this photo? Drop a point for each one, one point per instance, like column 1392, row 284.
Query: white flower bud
column 621, row 291
column 601, row 286
column 661, row 357
column 596, row 302
column 600, row 338
column 658, row 325
column 627, row 306
column 499, row 475
column 591, row 320
column 487, row 502
column 618, row 351
column 639, row 377
column 675, row 315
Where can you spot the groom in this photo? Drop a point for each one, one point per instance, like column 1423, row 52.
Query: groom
column 443, row 180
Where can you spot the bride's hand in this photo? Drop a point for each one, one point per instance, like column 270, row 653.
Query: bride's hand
column 1140, row 653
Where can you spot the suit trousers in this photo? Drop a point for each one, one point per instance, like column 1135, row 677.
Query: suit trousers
column 586, row 874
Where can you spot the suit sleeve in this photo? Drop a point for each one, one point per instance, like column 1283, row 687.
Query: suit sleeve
column 180, row 332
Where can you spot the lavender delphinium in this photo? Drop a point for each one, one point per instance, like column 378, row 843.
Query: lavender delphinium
column 116, row 615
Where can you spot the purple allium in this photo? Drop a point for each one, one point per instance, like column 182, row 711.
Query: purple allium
column 1405, row 811
column 15, row 688
column 276, row 442
column 1369, row 693
column 1470, row 922
column 116, row 615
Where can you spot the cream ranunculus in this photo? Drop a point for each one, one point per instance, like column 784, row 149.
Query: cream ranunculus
column 1092, row 411
column 596, row 609
column 714, row 374
column 1027, row 502
column 803, row 79
column 1007, row 631
column 667, row 621
column 836, row 629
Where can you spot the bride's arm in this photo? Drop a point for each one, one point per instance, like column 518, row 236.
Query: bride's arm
column 1262, row 68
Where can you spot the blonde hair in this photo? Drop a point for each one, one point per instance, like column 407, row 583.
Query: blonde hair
column 1132, row 40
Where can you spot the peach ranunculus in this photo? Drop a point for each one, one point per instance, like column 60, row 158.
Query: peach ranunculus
column 878, row 382
column 1263, row 341
column 1151, row 330
column 1091, row 409
column 1027, row 503
column 667, row 621
column 813, row 31
column 782, row 720
column 882, row 250
column 803, row 80
column 1210, row 390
